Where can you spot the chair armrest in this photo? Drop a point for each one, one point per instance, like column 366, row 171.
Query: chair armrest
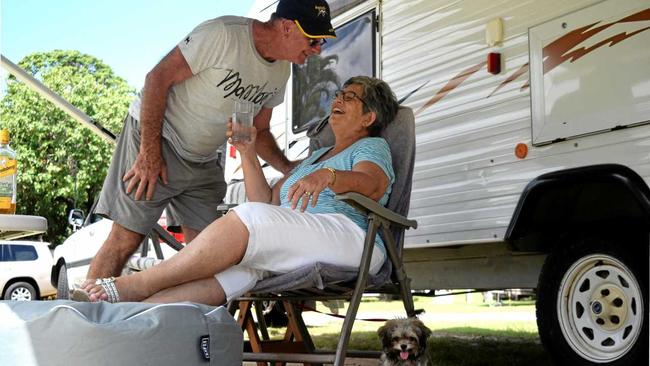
column 225, row 207
column 366, row 205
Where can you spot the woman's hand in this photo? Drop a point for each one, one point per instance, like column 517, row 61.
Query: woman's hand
column 244, row 147
column 308, row 188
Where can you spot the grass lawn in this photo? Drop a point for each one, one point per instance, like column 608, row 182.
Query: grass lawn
column 512, row 319
column 463, row 333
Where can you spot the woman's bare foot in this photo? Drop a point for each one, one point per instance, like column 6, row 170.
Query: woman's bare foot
column 87, row 284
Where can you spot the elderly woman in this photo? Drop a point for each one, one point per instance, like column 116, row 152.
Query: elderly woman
column 295, row 223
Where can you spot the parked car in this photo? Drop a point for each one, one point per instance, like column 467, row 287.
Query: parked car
column 25, row 270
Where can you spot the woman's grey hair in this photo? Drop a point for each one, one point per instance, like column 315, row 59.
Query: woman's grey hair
column 379, row 98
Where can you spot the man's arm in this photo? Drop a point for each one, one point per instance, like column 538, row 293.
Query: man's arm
column 149, row 164
column 266, row 146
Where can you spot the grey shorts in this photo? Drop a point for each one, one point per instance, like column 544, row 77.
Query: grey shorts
column 193, row 193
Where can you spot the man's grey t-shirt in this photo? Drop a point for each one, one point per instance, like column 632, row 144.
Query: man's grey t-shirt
column 225, row 67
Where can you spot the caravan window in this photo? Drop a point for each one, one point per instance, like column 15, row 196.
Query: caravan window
column 351, row 53
column 338, row 7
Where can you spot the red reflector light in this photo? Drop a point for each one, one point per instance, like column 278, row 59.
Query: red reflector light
column 494, row 63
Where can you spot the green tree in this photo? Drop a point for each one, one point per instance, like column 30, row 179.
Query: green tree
column 61, row 163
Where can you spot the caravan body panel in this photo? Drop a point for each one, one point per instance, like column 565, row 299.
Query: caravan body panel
column 467, row 179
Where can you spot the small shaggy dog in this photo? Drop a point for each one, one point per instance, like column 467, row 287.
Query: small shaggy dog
column 404, row 342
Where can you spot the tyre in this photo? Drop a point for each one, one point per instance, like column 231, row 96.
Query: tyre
column 592, row 305
column 21, row 291
column 62, row 289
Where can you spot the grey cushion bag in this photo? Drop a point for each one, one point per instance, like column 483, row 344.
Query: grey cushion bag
column 66, row 333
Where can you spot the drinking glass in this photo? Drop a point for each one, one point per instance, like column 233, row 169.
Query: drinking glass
column 242, row 121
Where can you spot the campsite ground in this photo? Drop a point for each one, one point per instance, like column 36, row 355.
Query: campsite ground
column 466, row 331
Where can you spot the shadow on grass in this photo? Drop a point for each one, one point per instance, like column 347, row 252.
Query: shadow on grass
column 487, row 332
column 447, row 348
column 493, row 351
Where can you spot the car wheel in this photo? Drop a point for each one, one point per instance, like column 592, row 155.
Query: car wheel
column 593, row 303
column 21, row 291
column 62, row 289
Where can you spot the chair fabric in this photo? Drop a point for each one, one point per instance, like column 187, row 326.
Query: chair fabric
column 400, row 136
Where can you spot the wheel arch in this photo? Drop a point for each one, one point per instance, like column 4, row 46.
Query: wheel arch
column 594, row 198
column 29, row 280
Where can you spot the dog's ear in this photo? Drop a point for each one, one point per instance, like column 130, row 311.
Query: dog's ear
column 423, row 333
column 426, row 332
column 384, row 332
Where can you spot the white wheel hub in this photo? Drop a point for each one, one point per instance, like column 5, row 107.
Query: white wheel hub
column 600, row 308
column 21, row 294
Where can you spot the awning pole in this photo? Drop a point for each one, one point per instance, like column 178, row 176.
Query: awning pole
column 48, row 94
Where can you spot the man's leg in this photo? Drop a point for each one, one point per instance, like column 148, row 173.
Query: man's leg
column 114, row 203
column 188, row 233
column 197, row 207
column 116, row 250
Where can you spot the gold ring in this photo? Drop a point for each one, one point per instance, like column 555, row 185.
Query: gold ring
column 308, row 194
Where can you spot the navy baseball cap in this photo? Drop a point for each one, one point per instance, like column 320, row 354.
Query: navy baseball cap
column 311, row 16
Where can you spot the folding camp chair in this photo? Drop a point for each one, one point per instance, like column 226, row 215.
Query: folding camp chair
column 323, row 281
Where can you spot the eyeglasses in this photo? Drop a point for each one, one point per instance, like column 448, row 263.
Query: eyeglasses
column 348, row 96
column 313, row 42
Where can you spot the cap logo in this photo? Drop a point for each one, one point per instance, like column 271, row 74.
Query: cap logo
column 322, row 11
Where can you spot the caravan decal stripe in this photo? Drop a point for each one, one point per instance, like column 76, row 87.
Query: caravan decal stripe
column 451, row 85
column 556, row 54
column 522, row 70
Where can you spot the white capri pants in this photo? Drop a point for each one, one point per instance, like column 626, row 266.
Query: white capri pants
column 282, row 240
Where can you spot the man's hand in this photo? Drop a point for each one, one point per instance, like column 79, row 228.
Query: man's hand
column 144, row 173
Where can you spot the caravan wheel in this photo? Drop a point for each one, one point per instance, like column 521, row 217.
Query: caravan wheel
column 593, row 304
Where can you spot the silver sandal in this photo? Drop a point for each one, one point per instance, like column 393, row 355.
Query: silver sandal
column 108, row 285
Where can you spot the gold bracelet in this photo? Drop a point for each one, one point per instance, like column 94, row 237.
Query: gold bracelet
column 333, row 175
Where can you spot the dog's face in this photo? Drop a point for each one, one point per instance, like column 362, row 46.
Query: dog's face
column 404, row 340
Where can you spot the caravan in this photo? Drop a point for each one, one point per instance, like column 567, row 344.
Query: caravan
column 533, row 151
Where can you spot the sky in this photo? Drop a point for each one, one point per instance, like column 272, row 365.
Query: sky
column 130, row 36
